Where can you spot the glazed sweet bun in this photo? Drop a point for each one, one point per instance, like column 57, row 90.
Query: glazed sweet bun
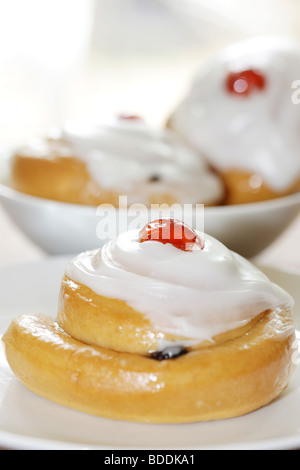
column 239, row 113
column 161, row 325
column 90, row 164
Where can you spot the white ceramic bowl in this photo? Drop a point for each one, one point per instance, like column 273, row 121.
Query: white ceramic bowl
column 60, row 228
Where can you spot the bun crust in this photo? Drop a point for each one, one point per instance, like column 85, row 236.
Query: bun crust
column 111, row 323
column 243, row 188
column 62, row 179
column 218, row 381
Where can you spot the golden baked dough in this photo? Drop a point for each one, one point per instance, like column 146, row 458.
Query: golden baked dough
column 243, row 188
column 215, row 382
column 63, row 179
column 111, row 323
column 66, row 179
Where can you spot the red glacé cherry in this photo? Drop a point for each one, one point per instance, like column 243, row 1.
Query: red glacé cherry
column 171, row 231
column 129, row 117
column 244, row 82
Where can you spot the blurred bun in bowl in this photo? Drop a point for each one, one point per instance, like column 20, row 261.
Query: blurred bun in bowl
column 239, row 113
column 91, row 164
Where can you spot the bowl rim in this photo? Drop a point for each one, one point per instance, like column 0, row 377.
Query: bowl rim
column 8, row 193
column 12, row 194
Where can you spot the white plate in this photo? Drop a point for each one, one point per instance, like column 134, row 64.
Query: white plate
column 30, row 422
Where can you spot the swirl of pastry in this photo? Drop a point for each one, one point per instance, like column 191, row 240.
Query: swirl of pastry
column 94, row 164
column 239, row 113
column 171, row 296
column 162, row 325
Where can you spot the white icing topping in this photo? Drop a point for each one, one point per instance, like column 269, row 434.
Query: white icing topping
column 258, row 133
column 195, row 294
column 44, row 148
column 125, row 155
